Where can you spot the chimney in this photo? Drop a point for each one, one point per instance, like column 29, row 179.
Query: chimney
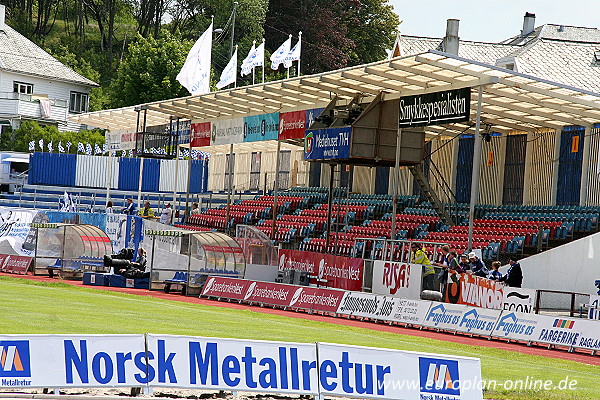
column 528, row 24
column 450, row 43
column 2, row 17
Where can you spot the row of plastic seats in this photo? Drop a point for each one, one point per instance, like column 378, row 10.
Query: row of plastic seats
column 258, row 212
column 362, row 212
column 282, row 235
column 239, row 217
column 210, row 221
column 338, row 247
column 294, row 201
column 193, row 228
column 319, row 222
column 304, row 229
column 283, row 207
column 347, row 218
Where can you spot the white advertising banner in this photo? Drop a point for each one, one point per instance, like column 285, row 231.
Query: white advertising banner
column 397, row 279
column 73, row 361
column 229, row 364
column 411, row 311
column 16, row 237
column 120, row 139
column 368, row 305
column 349, row 371
column 462, row 318
column 227, row 131
column 517, row 326
column 116, row 227
column 568, row 332
column 518, row 299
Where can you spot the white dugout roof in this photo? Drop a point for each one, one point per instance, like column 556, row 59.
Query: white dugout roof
column 510, row 101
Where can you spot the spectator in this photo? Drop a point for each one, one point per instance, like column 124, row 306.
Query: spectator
column 109, row 207
column 129, row 209
column 195, row 209
column 464, row 263
column 444, row 261
column 420, row 257
column 147, row 211
column 514, row 275
column 452, row 265
column 166, row 214
column 478, row 268
column 495, row 275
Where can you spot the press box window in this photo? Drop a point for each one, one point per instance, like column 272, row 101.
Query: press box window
column 22, row 88
column 79, row 102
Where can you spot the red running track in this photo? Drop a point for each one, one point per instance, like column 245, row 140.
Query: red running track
column 581, row 356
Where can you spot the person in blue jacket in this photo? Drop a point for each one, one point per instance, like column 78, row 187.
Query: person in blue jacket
column 514, row 275
column 129, row 209
column 478, row 268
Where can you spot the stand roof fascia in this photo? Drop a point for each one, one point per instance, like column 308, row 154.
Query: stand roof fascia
column 511, row 100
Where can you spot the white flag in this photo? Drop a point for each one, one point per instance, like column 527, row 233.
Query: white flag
column 229, row 74
column 246, row 68
column 281, row 53
column 195, row 73
column 293, row 55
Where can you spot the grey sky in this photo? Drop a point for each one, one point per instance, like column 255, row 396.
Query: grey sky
column 491, row 21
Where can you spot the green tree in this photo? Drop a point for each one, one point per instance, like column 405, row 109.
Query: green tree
column 149, row 70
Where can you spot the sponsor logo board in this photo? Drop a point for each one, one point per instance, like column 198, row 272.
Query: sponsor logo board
column 200, row 134
column 458, row 317
column 339, row 272
column 518, row 299
column 227, row 131
column 411, row 311
column 474, row 291
column 326, row 144
column 261, row 127
column 367, row 305
column 292, row 125
column 397, row 279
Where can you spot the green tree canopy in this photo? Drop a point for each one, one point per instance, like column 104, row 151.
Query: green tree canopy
column 149, row 70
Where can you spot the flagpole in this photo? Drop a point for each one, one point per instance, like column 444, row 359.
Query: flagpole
column 254, row 47
column 235, row 69
column 263, row 64
column 300, row 44
column 288, row 69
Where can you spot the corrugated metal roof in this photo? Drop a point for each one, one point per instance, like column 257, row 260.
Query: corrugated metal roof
column 19, row 54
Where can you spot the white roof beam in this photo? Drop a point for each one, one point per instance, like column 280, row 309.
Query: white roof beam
column 354, row 86
column 384, row 83
column 303, row 96
column 520, row 118
column 533, row 111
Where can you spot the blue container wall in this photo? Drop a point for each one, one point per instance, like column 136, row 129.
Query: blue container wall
column 52, row 169
column 129, row 173
column 382, row 180
column 514, row 169
column 464, row 169
column 314, row 174
column 570, row 164
column 198, row 171
column 151, row 179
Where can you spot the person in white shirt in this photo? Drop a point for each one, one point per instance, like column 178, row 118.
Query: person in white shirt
column 166, row 214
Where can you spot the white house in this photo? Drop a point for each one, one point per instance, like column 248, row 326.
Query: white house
column 36, row 86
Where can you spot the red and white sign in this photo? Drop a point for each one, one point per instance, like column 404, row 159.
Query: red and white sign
column 292, row 125
column 474, row 291
column 14, row 264
column 339, row 272
column 397, row 279
column 316, row 299
column 200, row 134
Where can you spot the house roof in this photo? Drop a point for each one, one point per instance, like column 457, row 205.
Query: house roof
column 558, row 32
column 20, row 55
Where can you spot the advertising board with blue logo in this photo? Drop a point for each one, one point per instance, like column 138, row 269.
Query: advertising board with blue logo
column 74, row 361
column 350, row 371
column 461, row 318
column 517, row 326
column 311, row 115
column 261, row 127
column 327, row 144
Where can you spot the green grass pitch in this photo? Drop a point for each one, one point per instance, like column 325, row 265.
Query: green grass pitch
column 29, row 307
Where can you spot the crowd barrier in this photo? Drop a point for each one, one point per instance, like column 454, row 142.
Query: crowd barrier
column 317, row 369
column 491, row 323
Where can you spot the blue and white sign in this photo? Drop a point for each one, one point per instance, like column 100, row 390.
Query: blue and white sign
column 327, row 144
column 229, row 364
column 462, row 318
column 517, row 326
column 74, row 361
column 350, row 371
column 261, row 127
column 311, row 115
